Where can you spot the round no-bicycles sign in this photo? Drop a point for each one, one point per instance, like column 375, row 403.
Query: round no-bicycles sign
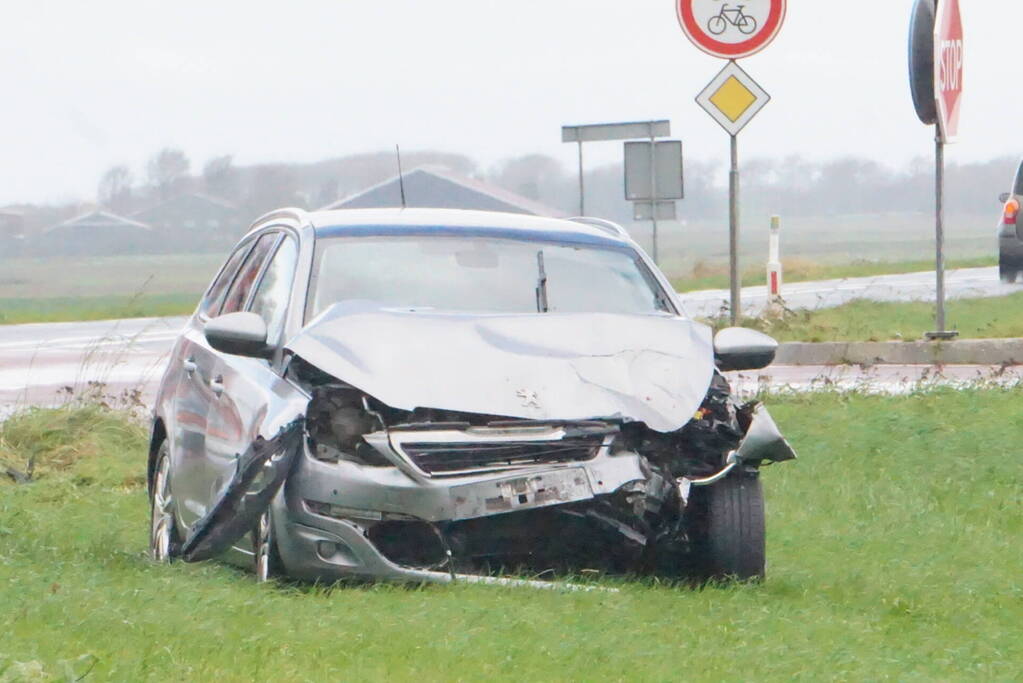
column 730, row 29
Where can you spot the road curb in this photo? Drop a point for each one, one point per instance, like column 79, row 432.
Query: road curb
column 960, row 352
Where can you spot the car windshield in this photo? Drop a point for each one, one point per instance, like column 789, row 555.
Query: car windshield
column 482, row 274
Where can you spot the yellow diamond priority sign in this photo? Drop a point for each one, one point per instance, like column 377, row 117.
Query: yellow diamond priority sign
column 733, row 98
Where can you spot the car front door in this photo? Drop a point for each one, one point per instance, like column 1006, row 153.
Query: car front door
column 202, row 471
column 252, row 396
column 190, row 371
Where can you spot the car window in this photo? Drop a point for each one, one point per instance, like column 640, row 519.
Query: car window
column 242, row 285
column 214, row 298
column 271, row 299
column 482, row 274
column 1017, row 186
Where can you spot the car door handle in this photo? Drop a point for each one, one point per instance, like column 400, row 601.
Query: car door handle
column 217, row 385
column 190, row 365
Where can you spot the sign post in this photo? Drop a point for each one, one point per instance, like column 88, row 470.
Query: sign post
column 653, row 181
column 936, row 83
column 733, row 98
column 610, row 131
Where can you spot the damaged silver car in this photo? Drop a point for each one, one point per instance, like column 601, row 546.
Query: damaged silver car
column 431, row 395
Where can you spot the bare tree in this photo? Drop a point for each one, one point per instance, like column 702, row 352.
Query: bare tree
column 535, row 176
column 168, row 171
column 274, row 186
column 114, row 191
column 220, row 177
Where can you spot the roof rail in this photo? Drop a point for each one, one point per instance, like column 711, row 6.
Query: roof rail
column 606, row 226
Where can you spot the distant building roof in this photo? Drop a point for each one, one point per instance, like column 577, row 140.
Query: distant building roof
column 435, row 188
column 98, row 220
column 191, row 199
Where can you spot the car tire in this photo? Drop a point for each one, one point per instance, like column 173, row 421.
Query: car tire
column 266, row 559
column 1008, row 270
column 163, row 533
column 728, row 531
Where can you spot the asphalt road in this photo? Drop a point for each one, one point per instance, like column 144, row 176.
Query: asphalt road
column 45, row 364
column 39, row 362
column 959, row 284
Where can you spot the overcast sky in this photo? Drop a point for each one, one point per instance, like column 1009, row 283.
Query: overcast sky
column 89, row 84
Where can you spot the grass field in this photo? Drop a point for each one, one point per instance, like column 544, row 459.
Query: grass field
column 831, row 240
column 98, row 288
column 715, row 276
column 894, row 553
column 68, row 309
column 987, row 318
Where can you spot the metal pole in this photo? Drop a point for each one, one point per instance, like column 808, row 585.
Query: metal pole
column 653, row 186
column 939, row 229
column 582, row 201
column 733, row 233
column 939, row 242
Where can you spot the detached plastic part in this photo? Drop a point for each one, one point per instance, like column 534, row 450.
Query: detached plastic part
column 763, row 440
column 261, row 472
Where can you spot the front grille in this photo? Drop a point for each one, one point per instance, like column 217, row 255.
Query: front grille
column 440, row 458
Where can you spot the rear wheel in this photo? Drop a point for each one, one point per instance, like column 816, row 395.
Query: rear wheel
column 1008, row 269
column 728, row 530
column 267, row 561
column 163, row 534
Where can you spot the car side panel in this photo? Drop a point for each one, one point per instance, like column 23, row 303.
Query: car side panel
column 255, row 402
column 189, row 374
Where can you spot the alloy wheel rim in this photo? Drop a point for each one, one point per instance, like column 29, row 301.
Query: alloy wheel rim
column 160, row 533
column 263, row 548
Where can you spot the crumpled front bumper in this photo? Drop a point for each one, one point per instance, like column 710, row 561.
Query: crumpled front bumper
column 327, row 509
column 316, row 545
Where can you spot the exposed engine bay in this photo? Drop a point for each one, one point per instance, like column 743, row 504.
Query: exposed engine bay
column 555, row 520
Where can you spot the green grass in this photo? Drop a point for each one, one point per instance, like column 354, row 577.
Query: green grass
column 102, row 287
column 68, row 309
column 715, row 276
column 894, row 553
column 861, row 320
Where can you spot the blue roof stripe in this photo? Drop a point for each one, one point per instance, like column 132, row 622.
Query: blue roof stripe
column 564, row 237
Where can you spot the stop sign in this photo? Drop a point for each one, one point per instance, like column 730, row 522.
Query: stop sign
column 948, row 67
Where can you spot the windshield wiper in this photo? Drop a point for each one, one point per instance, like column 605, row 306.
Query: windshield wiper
column 541, row 285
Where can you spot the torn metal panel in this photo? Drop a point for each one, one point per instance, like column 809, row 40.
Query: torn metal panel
column 555, row 366
column 260, row 473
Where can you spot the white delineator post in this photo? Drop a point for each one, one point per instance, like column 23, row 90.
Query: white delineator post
column 774, row 266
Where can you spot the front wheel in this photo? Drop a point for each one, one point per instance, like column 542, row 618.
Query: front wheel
column 747, row 25
column 163, row 536
column 728, row 530
column 267, row 561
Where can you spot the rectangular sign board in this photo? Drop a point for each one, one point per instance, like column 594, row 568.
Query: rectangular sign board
column 616, row 131
column 644, row 211
column 668, row 169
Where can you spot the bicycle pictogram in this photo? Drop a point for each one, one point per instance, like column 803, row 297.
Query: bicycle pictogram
column 732, row 16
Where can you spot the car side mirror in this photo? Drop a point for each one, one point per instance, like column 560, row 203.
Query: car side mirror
column 739, row 348
column 1004, row 197
column 240, row 334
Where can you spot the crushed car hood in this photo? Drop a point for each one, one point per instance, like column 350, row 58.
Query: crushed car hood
column 551, row 366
